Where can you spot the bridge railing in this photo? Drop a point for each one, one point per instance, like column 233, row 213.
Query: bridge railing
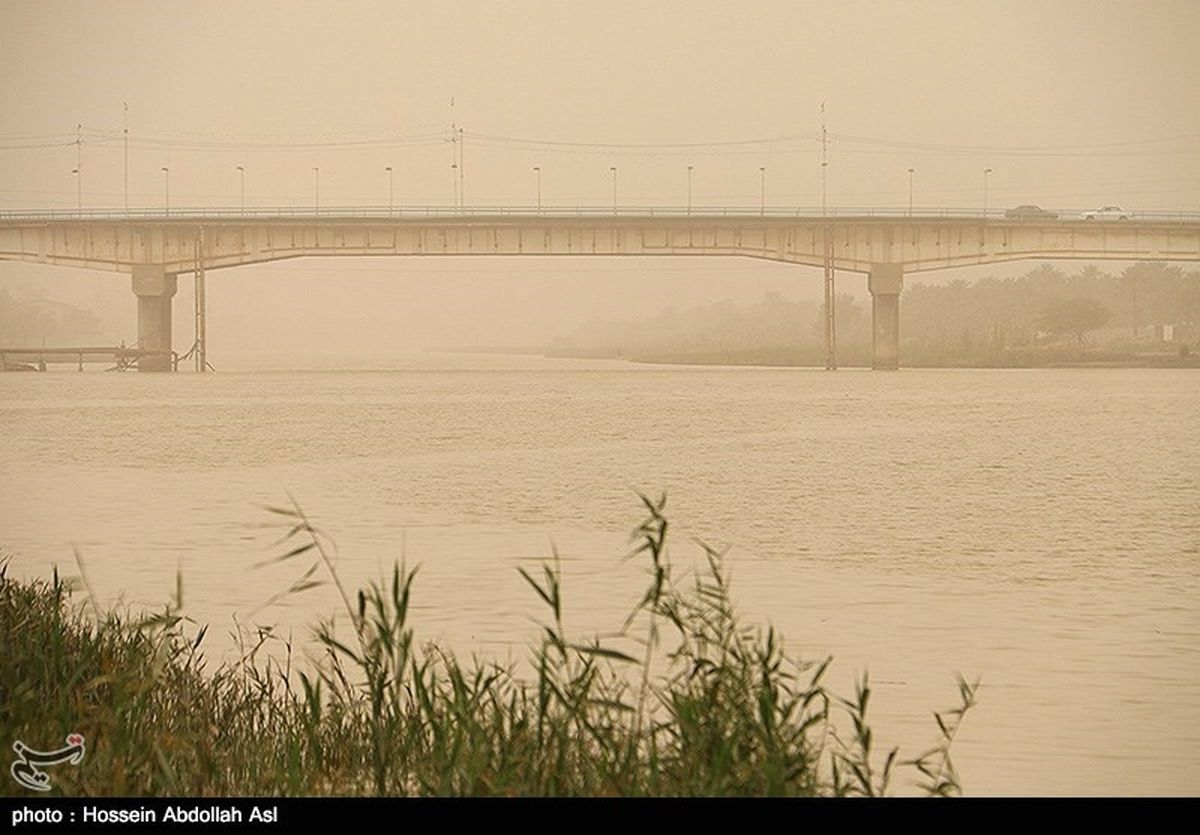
column 192, row 213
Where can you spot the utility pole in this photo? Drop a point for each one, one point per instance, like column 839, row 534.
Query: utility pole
column 830, row 302
column 1133, row 284
column 79, row 169
column 242, row 186
column 457, row 140
column 825, row 161
column 126, row 157
column 830, row 284
column 689, row 190
column 200, row 348
column 391, row 192
column 537, row 170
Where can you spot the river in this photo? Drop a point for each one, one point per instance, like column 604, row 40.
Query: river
column 1037, row 529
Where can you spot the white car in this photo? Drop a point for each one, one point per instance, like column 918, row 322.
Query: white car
column 1107, row 213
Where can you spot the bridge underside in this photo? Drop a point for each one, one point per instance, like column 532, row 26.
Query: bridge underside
column 155, row 250
column 857, row 244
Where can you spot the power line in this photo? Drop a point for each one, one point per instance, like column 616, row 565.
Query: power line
column 92, row 136
column 635, row 145
column 1186, row 137
column 791, row 143
column 30, row 146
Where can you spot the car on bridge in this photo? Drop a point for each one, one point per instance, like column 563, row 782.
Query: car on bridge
column 1030, row 212
column 1107, row 213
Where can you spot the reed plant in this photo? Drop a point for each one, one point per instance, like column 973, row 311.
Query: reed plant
column 686, row 699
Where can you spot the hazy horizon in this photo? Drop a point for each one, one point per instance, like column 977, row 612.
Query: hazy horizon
column 1069, row 104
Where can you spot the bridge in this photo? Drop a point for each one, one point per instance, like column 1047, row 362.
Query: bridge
column 155, row 247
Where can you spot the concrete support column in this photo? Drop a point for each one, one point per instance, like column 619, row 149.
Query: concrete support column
column 885, row 283
column 154, row 289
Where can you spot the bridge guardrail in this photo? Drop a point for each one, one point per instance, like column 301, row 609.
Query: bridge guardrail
column 446, row 212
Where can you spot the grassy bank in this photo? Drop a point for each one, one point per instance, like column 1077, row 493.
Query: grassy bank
column 686, row 700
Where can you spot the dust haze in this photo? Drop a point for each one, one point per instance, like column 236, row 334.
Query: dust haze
column 1018, row 505
column 1070, row 104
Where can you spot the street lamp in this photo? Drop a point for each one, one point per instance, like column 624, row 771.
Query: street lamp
column 910, row 190
column 986, row 171
column 391, row 190
column 241, row 169
column 316, row 190
column 762, row 190
column 613, row 169
column 689, row 189
column 78, row 191
column 537, row 170
column 166, row 189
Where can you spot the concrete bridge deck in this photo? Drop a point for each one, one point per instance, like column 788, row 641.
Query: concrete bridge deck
column 156, row 246
column 921, row 241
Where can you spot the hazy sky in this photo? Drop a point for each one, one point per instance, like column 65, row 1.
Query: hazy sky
column 1072, row 104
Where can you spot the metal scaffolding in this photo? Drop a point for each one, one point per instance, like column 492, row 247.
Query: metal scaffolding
column 830, row 303
column 199, row 350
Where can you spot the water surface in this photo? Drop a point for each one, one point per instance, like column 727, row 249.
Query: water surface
column 1039, row 529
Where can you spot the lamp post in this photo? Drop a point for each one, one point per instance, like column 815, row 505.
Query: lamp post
column 537, row 171
column 613, row 169
column 689, row 190
column 910, row 190
column 241, row 169
column 986, row 171
column 316, row 190
column 166, row 189
column 78, row 192
column 762, row 189
column 391, row 190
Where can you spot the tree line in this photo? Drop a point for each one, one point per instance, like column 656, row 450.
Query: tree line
column 1047, row 310
column 30, row 320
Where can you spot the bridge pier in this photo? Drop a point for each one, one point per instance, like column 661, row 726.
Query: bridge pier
column 885, row 282
column 154, row 288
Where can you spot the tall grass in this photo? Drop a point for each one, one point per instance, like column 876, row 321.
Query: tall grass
column 687, row 700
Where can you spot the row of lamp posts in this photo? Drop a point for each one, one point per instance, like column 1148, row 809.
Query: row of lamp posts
column 537, row 169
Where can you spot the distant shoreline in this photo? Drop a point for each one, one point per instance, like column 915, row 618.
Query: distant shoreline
column 788, row 358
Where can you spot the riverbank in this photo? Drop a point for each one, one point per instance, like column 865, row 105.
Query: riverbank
column 686, row 702
column 859, row 357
